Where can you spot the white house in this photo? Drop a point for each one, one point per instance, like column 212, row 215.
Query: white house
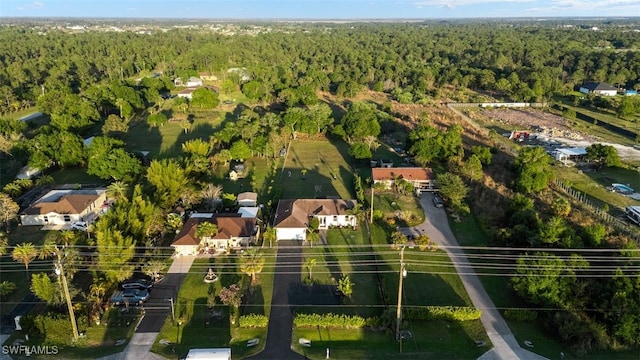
column 209, row 354
column 194, row 82
column 64, row 207
column 570, row 155
column 420, row 178
column 598, row 89
column 234, row 231
column 292, row 216
column 186, row 93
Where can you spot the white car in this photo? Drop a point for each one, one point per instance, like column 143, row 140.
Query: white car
column 80, row 225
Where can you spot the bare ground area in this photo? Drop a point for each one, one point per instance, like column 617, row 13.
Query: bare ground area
column 554, row 127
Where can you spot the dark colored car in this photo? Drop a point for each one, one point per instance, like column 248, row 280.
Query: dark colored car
column 437, row 201
column 129, row 296
column 137, row 284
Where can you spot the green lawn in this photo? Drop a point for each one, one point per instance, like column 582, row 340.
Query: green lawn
column 406, row 206
column 166, row 141
column 327, row 166
column 343, row 259
column 75, row 175
column 430, row 340
column 204, row 327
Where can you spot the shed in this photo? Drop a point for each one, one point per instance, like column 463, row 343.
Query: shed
column 233, row 175
column 247, row 199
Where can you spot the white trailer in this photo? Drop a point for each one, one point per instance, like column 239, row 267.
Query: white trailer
column 633, row 213
column 209, row 354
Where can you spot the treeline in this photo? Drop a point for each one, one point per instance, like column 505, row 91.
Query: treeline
column 524, row 61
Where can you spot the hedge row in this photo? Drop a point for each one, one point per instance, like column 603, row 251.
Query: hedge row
column 329, row 320
column 456, row 313
column 253, row 321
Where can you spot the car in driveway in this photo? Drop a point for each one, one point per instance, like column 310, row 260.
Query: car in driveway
column 129, row 296
column 80, row 225
column 437, row 201
column 137, row 284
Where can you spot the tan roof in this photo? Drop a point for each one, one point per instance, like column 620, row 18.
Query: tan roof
column 295, row 213
column 247, row 196
column 381, row 174
column 67, row 204
column 229, row 225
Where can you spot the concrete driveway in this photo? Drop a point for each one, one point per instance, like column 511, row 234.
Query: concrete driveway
column 436, row 226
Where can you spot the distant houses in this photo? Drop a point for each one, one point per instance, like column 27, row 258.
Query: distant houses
column 598, row 88
column 191, row 82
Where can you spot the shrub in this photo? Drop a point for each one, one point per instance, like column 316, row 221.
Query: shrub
column 521, row 315
column 253, row 321
column 329, row 320
column 456, row 313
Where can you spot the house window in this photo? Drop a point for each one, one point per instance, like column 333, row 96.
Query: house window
column 45, row 218
column 335, row 218
column 67, row 218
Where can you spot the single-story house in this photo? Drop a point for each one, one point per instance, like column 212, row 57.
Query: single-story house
column 194, row 82
column 292, row 216
column 64, row 207
column 420, row 178
column 247, row 199
column 598, row 89
column 234, row 231
column 573, row 154
column 186, row 93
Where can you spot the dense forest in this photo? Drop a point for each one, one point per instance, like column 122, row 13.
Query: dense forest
column 88, row 80
column 528, row 61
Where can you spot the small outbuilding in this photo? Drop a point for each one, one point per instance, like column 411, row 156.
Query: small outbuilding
column 598, row 88
column 247, row 199
column 209, row 354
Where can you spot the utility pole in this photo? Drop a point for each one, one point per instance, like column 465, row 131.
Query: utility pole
column 371, row 212
column 403, row 274
column 63, row 278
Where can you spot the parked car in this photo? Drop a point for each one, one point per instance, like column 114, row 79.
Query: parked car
column 137, row 284
column 129, row 296
column 80, row 225
column 437, row 201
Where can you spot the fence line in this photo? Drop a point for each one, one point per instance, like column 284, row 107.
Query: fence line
column 620, row 225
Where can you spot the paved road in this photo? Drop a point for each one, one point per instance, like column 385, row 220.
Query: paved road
column 436, row 226
column 280, row 331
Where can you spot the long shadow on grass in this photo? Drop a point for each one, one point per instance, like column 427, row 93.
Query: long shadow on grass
column 254, row 301
column 203, row 330
column 142, row 137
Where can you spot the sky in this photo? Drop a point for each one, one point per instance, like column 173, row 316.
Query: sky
column 318, row 9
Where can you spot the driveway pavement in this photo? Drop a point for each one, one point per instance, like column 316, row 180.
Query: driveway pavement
column 436, row 226
column 286, row 280
column 157, row 308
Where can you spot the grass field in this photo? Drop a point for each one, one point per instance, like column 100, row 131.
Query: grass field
column 166, row 141
column 327, row 166
column 200, row 329
column 404, row 209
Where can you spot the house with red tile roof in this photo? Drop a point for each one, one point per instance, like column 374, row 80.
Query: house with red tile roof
column 234, row 231
column 420, row 178
column 293, row 215
column 58, row 209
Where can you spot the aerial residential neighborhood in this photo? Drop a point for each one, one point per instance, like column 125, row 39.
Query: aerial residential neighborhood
column 335, row 189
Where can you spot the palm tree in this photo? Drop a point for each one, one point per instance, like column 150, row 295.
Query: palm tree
column 358, row 212
column 68, row 237
column 47, row 250
column 206, row 229
column 269, row 235
column 117, row 190
column 251, row 263
column 309, row 264
column 24, row 253
column 212, row 194
column 4, row 243
column 312, row 237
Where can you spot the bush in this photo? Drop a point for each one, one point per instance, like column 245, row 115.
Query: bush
column 329, row 320
column 521, row 315
column 455, row 313
column 253, row 321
